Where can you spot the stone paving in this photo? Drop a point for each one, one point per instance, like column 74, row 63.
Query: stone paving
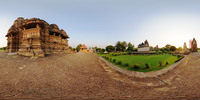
column 85, row 76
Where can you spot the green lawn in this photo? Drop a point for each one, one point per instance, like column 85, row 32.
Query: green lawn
column 2, row 50
column 152, row 60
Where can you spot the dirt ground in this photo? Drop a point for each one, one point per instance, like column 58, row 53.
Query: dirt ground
column 85, row 76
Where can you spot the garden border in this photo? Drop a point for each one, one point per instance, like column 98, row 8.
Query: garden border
column 142, row 74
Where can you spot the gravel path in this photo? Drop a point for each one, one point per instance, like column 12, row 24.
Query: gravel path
column 84, row 76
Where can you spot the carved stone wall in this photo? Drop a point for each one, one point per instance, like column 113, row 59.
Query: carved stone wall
column 35, row 37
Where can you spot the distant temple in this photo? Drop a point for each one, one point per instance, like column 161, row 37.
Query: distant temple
column 194, row 45
column 144, row 47
column 83, row 48
column 35, row 37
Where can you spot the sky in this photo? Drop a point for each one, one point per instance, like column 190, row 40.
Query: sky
column 104, row 22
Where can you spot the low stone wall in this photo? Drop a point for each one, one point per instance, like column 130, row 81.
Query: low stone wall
column 142, row 74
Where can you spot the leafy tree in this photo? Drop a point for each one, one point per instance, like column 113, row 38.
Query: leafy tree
column 167, row 47
column 78, row 47
column 73, row 49
column 70, row 47
column 172, row 48
column 179, row 49
column 130, row 47
column 110, row 48
column 102, row 50
column 124, row 46
column 121, row 46
column 98, row 49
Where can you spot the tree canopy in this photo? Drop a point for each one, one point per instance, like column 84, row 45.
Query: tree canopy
column 121, row 46
column 110, row 48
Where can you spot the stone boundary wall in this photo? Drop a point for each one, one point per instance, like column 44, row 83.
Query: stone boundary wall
column 142, row 74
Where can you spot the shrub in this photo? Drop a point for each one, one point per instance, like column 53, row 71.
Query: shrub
column 110, row 59
column 147, row 66
column 127, row 64
column 114, row 60
column 136, row 66
column 124, row 53
column 107, row 58
column 167, row 63
column 160, row 63
column 179, row 56
column 119, row 62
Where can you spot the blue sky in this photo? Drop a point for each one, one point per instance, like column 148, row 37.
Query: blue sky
column 104, row 22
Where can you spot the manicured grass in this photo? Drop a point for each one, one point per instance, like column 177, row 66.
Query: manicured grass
column 2, row 50
column 141, row 60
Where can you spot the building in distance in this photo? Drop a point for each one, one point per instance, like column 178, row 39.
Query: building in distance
column 144, row 47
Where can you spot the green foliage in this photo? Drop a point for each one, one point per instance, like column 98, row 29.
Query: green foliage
column 3, row 48
column 147, row 66
column 114, row 60
column 130, row 47
column 136, row 67
column 119, row 62
column 115, row 54
column 152, row 60
column 127, row 64
column 102, row 50
column 70, row 47
column 110, row 48
column 166, row 63
column 124, row 53
column 167, row 47
column 160, row 63
column 78, row 47
column 121, row 46
column 172, row 48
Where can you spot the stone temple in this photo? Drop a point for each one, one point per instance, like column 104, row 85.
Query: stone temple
column 194, row 45
column 35, row 37
column 144, row 47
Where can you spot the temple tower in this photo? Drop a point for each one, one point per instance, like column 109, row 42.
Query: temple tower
column 194, row 45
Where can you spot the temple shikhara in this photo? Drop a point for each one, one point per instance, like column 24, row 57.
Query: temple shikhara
column 35, row 37
column 194, row 45
column 83, row 48
column 144, row 47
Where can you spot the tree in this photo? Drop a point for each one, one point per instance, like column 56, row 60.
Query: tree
column 110, row 48
column 167, row 47
column 70, row 47
column 130, row 47
column 78, row 47
column 179, row 49
column 121, row 46
column 172, row 48
column 102, row 50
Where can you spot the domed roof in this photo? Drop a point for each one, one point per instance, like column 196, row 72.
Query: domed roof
column 64, row 33
column 12, row 29
column 34, row 21
column 54, row 28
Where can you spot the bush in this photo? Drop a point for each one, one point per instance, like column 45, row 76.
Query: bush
column 119, row 62
column 136, row 66
column 160, row 63
column 167, row 63
column 116, row 54
column 127, row 64
column 124, row 53
column 114, row 60
column 110, row 59
column 179, row 56
column 147, row 66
